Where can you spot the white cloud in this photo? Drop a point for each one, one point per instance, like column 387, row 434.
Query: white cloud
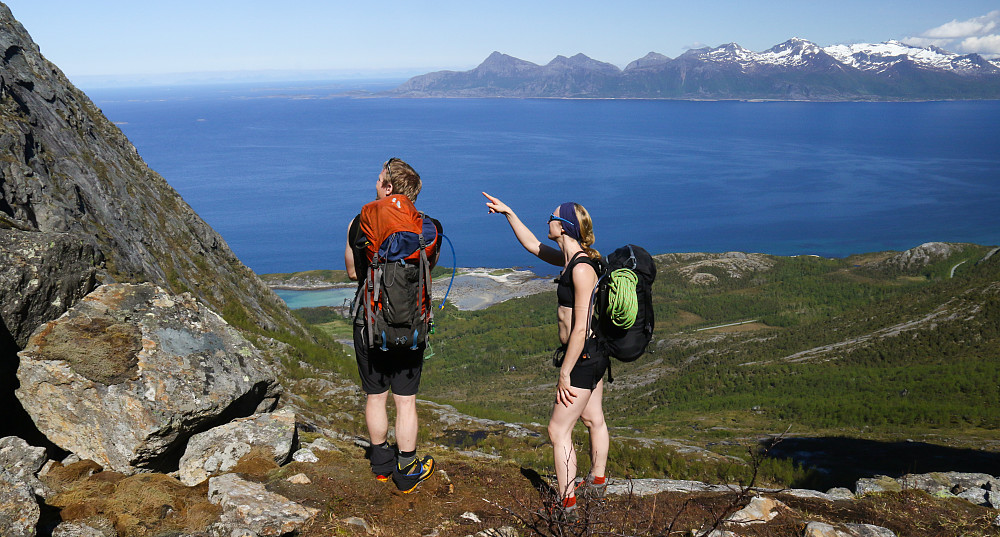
column 975, row 27
column 976, row 35
column 988, row 45
column 927, row 42
column 695, row 46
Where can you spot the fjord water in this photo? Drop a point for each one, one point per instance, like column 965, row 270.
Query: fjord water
column 280, row 171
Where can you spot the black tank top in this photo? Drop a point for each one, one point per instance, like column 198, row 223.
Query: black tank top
column 564, row 293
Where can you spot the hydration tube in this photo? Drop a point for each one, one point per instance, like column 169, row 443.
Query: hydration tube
column 454, row 269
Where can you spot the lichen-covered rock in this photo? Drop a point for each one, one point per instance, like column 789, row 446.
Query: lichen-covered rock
column 23, row 462
column 882, row 483
column 249, row 505
column 19, row 511
column 41, row 276
column 304, row 455
column 131, row 372
column 83, row 529
column 218, row 450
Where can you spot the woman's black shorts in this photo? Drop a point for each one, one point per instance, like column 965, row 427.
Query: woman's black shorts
column 590, row 368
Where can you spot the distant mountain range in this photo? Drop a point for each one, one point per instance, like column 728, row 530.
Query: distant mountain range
column 794, row 70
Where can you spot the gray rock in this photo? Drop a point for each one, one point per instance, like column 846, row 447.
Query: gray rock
column 249, row 505
column 304, row 455
column 19, row 511
column 41, row 276
column 81, row 529
column 359, row 522
column 760, row 510
column 822, row 529
column 840, row 493
column 217, row 450
column 868, row 530
column 23, row 462
column 131, row 372
column 322, row 444
column 976, row 496
column 68, row 169
column 646, row 487
column 882, row 483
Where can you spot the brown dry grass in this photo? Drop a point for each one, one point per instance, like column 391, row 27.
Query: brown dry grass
column 498, row 493
column 138, row 506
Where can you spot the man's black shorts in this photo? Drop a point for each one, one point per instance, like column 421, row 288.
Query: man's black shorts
column 398, row 370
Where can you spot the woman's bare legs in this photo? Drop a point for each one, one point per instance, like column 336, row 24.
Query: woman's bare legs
column 600, row 441
column 561, row 435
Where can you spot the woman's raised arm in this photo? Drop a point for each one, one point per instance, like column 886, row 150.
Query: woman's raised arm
column 524, row 235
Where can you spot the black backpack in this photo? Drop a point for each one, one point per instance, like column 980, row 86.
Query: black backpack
column 625, row 286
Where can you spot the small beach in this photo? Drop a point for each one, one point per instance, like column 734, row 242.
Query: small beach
column 473, row 289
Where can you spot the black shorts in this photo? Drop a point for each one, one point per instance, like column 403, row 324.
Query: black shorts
column 590, row 368
column 398, row 370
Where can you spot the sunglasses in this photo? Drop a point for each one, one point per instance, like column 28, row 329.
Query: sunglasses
column 563, row 220
column 385, row 168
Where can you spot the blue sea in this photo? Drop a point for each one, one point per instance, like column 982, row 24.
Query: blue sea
column 280, row 170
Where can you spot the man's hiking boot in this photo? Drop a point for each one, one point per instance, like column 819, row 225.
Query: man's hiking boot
column 383, row 461
column 590, row 490
column 408, row 478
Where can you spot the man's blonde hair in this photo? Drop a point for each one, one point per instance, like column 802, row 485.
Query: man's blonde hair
column 403, row 178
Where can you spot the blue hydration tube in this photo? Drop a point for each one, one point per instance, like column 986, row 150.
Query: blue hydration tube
column 454, row 269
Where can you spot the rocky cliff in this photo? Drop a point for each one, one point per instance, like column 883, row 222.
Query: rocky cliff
column 65, row 168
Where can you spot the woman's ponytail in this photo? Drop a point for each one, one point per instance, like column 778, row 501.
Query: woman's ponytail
column 586, row 231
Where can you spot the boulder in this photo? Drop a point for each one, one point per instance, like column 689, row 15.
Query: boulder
column 217, row 450
column 840, row 493
column 880, row 483
column 23, row 462
column 758, row 511
column 304, row 455
column 41, row 276
column 126, row 376
column 19, row 511
column 250, row 506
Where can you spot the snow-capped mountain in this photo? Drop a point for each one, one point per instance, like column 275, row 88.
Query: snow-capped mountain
column 796, row 69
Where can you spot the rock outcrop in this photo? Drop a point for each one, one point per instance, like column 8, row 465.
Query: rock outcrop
column 915, row 259
column 131, row 372
column 68, row 169
column 977, row 488
column 706, row 269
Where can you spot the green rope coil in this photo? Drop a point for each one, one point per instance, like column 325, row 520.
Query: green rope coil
column 623, row 304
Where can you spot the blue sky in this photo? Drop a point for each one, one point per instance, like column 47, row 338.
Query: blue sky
column 91, row 39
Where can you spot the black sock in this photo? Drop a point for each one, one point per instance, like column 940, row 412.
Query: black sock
column 406, row 458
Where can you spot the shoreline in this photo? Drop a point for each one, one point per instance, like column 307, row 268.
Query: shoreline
column 472, row 289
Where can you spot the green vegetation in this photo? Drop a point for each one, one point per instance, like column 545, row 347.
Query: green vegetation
column 837, row 348
column 940, row 374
